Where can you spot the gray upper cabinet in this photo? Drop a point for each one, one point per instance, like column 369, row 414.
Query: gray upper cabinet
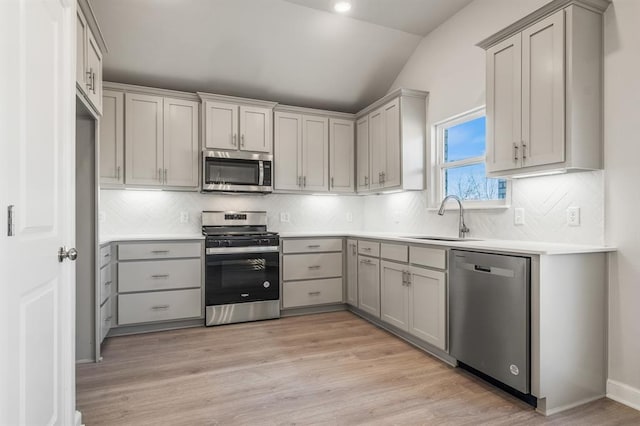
column 544, row 91
column 180, row 149
column 89, row 49
column 234, row 124
column 341, row 155
column 144, row 139
column 112, row 139
column 391, row 137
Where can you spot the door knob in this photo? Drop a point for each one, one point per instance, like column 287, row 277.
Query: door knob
column 71, row 254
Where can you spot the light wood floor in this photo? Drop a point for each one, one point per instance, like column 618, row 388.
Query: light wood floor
column 319, row 369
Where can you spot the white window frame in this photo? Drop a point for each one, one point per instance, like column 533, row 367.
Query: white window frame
column 439, row 167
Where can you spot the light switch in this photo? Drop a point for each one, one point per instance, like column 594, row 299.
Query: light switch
column 518, row 216
column 349, row 217
column 184, row 217
column 573, row 216
column 284, row 217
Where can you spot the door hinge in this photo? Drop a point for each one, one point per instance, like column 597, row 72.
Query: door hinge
column 10, row 228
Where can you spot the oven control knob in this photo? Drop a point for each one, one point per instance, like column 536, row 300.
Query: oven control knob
column 266, row 284
column 265, row 242
column 227, row 243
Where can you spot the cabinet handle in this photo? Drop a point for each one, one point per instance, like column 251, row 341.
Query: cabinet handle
column 160, row 307
column 93, row 83
column 384, row 177
column 165, row 176
column 107, row 319
column 515, row 151
column 331, row 181
column 160, row 276
column 366, row 248
column 160, row 175
column 524, row 151
column 314, row 293
column 366, row 180
column 159, row 251
column 408, row 279
column 242, row 140
column 304, row 181
column 313, row 246
column 314, row 267
column 108, row 283
column 89, row 76
column 353, row 249
column 107, row 255
column 234, row 140
column 299, row 180
column 367, row 261
column 118, row 173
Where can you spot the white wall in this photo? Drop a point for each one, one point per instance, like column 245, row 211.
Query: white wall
column 622, row 150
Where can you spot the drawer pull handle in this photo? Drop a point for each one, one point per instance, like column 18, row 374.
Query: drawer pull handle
column 107, row 319
column 367, row 261
column 160, row 307
column 366, row 248
column 107, row 283
column 107, row 255
column 160, row 276
column 314, row 267
column 314, row 293
column 313, row 246
column 159, row 251
column 244, row 294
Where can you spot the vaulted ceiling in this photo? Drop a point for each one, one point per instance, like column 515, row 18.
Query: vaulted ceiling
column 296, row 52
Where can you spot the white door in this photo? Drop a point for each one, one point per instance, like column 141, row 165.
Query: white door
column 288, row 152
column 112, row 138
column 543, row 114
column 221, row 125
column 376, row 148
column 181, row 143
column 504, row 105
column 362, row 151
column 341, row 155
column 394, row 295
column 143, row 140
column 37, row 175
column 255, row 129
column 369, row 285
column 392, row 168
column 315, row 153
column 352, row 272
column 428, row 306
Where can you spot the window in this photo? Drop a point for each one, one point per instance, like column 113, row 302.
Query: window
column 460, row 167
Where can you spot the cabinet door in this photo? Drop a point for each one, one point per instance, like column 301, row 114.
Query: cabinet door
column 81, row 49
column 255, row 129
column 504, row 104
column 288, row 152
column 221, row 125
column 143, row 140
column 315, row 153
column 180, row 142
column 362, row 141
column 376, row 148
column 394, row 295
column 94, row 71
column 112, row 138
column 392, row 168
column 428, row 306
column 369, row 285
column 352, row 272
column 543, row 92
column 341, row 156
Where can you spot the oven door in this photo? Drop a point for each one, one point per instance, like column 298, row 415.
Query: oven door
column 237, row 172
column 238, row 275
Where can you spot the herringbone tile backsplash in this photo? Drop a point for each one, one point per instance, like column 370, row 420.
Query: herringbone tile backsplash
column 545, row 200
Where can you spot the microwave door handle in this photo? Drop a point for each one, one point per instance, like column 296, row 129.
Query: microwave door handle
column 261, row 172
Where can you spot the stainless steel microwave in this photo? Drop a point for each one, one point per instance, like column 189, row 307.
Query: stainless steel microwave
column 236, row 171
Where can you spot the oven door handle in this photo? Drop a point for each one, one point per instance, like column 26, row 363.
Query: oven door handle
column 232, row 250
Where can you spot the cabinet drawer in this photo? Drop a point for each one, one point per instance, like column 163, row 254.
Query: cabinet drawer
column 144, row 251
column 396, row 252
column 158, row 306
column 308, row 293
column 369, row 248
column 316, row 265
column 106, row 318
column 428, row 256
column 105, row 255
column 106, row 283
column 159, row 275
column 307, row 246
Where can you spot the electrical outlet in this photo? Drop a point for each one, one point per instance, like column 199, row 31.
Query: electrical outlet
column 285, row 217
column 573, row 216
column 184, row 217
column 349, row 217
column 518, row 216
column 102, row 217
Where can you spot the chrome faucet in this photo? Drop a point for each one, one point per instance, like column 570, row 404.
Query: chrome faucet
column 462, row 228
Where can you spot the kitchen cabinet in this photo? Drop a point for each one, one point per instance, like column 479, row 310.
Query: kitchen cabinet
column 312, row 273
column 88, row 56
column 161, row 141
column 428, row 305
column 544, row 93
column 341, row 156
column 159, row 281
column 112, row 139
column 315, row 153
column 352, row 272
column 105, row 292
column 394, row 294
column 233, row 124
column 369, row 285
column 391, row 135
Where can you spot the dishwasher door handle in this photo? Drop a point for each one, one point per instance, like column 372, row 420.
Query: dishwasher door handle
column 491, row 270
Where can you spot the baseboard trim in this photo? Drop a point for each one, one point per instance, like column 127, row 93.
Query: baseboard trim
column 624, row 394
column 291, row 312
column 555, row 410
column 78, row 418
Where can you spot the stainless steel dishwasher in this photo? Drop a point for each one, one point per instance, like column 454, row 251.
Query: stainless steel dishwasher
column 489, row 316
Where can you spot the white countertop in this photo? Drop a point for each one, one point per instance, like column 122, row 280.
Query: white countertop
column 150, row 237
column 507, row 246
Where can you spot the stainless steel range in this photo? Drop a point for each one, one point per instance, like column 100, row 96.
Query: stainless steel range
column 242, row 273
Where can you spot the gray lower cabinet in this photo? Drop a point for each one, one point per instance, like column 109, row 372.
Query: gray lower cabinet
column 105, row 292
column 159, row 281
column 311, row 272
column 352, row 272
column 369, row 285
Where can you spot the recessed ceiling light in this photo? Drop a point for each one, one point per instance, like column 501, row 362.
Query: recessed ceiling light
column 342, row 6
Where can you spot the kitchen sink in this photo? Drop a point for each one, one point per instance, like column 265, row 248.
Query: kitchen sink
column 441, row 238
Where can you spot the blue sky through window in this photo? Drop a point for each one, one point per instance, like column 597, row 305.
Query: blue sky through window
column 465, row 140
